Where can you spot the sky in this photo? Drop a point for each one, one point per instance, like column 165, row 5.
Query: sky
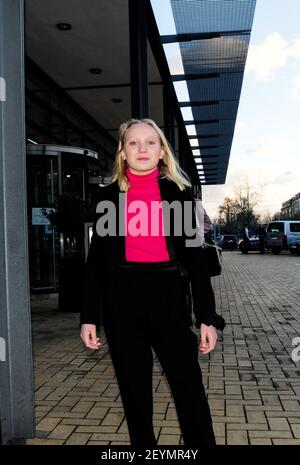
column 265, row 148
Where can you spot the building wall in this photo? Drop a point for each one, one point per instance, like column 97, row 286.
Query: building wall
column 291, row 208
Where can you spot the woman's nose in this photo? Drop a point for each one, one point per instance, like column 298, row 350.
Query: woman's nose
column 142, row 147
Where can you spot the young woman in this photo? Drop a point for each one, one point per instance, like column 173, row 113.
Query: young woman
column 136, row 278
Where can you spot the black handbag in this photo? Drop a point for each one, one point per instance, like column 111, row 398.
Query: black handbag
column 213, row 258
column 211, row 251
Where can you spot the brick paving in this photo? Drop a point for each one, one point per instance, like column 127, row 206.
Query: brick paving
column 253, row 385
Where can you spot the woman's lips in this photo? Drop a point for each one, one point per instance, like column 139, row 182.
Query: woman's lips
column 143, row 158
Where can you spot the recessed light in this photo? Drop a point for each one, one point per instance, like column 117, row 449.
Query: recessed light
column 95, row 70
column 63, row 26
column 116, row 100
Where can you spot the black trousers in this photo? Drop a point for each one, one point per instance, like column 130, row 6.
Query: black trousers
column 144, row 308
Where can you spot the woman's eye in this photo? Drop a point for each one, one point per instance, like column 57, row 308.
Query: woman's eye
column 151, row 142
column 132, row 142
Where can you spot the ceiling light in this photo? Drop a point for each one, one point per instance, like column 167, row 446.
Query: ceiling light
column 63, row 26
column 187, row 113
column 95, row 70
column 191, row 131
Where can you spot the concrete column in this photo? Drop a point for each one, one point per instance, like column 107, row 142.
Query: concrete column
column 16, row 380
column 138, row 58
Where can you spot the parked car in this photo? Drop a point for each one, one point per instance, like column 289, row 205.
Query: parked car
column 228, row 241
column 294, row 247
column 252, row 247
column 280, row 234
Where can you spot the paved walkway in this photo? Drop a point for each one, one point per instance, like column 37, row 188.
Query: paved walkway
column 253, row 385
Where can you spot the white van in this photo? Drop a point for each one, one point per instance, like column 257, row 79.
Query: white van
column 281, row 233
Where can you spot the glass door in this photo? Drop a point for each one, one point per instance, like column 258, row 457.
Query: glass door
column 72, row 196
column 44, row 248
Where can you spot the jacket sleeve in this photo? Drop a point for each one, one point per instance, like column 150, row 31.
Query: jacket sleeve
column 203, row 299
column 93, row 280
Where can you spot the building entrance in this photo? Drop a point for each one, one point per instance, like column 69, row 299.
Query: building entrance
column 59, row 205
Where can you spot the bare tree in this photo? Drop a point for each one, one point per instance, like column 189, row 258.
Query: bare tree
column 266, row 218
column 228, row 209
column 240, row 209
column 277, row 216
column 247, row 196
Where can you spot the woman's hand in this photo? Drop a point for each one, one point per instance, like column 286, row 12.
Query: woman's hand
column 208, row 338
column 89, row 336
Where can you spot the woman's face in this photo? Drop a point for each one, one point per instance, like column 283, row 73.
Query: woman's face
column 142, row 148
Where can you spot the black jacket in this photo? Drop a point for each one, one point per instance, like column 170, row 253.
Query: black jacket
column 111, row 250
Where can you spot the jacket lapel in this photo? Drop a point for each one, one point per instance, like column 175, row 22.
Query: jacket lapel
column 168, row 192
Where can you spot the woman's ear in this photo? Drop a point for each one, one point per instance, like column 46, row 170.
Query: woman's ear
column 123, row 155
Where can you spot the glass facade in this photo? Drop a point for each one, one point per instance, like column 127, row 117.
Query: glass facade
column 60, row 201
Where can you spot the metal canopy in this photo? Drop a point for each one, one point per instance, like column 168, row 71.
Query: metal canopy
column 213, row 37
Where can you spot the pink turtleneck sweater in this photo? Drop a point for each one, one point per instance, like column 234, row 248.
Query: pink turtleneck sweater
column 145, row 239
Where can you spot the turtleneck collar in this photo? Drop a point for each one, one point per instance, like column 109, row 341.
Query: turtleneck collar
column 142, row 178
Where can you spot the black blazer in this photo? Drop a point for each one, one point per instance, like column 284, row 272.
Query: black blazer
column 111, row 250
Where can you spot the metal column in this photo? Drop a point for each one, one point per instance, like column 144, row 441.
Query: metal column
column 181, row 148
column 138, row 58
column 16, row 380
column 168, row 115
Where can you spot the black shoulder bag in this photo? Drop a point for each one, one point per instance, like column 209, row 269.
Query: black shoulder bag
column 213, row 258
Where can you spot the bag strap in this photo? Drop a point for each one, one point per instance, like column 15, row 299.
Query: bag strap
column 199, row 213
column 217, row 249
column 203, row 222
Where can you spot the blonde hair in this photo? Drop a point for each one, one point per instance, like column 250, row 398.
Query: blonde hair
column 168, row 166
